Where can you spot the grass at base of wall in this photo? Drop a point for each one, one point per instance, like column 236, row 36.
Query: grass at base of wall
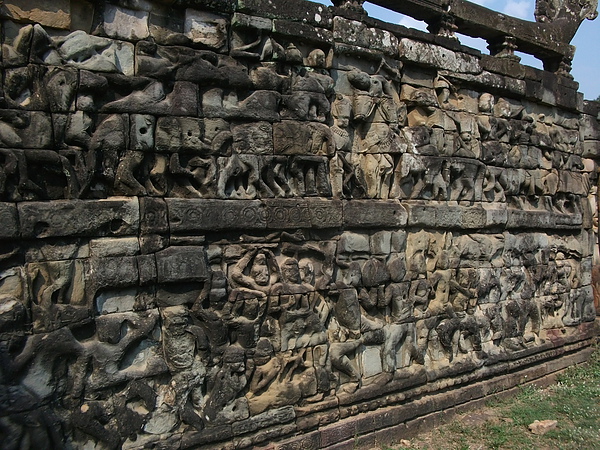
column 574, row 402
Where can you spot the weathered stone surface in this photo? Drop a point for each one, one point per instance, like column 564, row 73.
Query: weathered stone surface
column 542, row 219
column 364, row 213
column 123, row 23
column 443, row 216
column 85, row 51
column 181, row 264
column 541, row 427
column 206, row 28
column 358, row 34
column 79, row 218
column 198, row 215
column 312, row 13
column 105, row 247
column 268, row 418
column 325, row 213
column 25, row 129
column 300, row 30
column 255, row 138
column 9, row 220
column 436, row 56
column 113, row 272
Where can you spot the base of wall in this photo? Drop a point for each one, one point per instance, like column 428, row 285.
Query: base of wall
column 388, row 426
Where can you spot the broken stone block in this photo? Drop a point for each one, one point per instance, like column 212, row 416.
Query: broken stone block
column 207, row 29
column 541, row 427
column 141, row 135
column 285, row 214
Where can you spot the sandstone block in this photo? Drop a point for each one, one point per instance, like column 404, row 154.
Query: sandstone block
column 109, row 302
column 199, row 215
column 286, row 214
column 263, row 420
column 365, row 214
column 206, row 28
column 255, row 138
column 104, row 247
column 311, row 13
column 127, row 24
column 48, row 13
column 112, row 272
column 245, row 21
column 114, row 217
column 325, row 213
column 438, row 57
column 9, row 221
column 153, row 215
column 185, row 263
column 356, row 33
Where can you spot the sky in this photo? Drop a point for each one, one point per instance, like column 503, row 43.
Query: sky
column 586, row 64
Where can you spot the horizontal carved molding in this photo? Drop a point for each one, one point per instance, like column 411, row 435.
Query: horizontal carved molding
column 121, row 216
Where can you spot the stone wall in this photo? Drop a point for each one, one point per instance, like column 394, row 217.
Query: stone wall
column 233, row 224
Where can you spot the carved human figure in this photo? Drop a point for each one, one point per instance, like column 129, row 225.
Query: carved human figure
column 267, row 368
column 341, row 111
column 295, row 300
column 375, row 113
column 347, row 308
column 278, row 380
column 224, row 385
column 310, row 87
column 187, row 368
column 442, row 88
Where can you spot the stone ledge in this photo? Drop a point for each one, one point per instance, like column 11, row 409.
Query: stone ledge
column 408, row 419
column 118, row 216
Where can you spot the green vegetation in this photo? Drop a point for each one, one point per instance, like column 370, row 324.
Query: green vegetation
column 574, row 402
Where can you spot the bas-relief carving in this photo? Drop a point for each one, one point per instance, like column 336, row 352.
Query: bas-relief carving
column 211, row 330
